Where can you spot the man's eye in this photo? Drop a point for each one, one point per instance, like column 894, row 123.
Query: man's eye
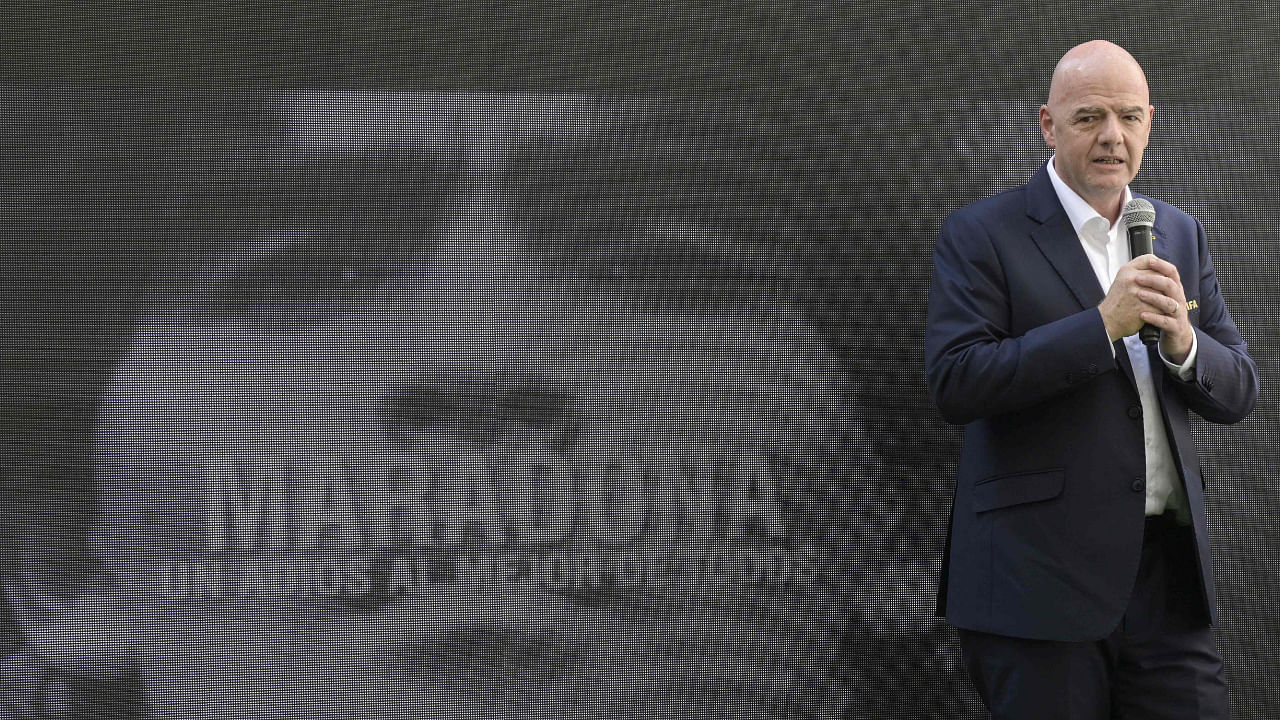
column 308, row 280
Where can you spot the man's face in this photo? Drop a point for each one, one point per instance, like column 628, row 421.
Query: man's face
column 1098, row 121
column 454, row 373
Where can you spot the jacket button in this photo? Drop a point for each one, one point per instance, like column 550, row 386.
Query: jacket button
column 1135, row 411
column 1093, row 368
column 1138, row 485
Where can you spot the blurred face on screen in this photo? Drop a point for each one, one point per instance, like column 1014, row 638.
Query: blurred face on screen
column 459, row 433
column 1098, row 120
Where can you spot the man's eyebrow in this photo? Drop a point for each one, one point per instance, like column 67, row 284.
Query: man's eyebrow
column 1094, row 110
column 1091, row 110
column 665, row 227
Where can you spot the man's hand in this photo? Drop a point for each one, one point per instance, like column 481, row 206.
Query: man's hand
column 1148, row 290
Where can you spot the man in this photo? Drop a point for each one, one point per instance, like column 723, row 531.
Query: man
column 1077, row 568
column 548, row 349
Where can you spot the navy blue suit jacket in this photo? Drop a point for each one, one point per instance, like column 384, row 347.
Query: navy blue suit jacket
column 1047, row 521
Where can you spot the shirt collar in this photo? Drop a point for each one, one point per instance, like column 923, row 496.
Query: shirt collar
column 1079, row 211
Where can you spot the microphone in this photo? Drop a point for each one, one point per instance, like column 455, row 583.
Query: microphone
column 1139, row 216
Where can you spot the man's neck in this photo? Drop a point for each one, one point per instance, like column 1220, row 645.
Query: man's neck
column 1108, row 208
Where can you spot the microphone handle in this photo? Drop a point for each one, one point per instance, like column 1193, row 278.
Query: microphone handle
column 1149, row 334
column 1140, row 244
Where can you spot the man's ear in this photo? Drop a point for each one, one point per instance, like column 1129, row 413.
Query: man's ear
column 1046, row 126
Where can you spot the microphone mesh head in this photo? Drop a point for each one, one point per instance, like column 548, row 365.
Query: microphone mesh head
column 1138, row 212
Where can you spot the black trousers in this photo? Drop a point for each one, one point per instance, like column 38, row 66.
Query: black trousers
column 1161, row 663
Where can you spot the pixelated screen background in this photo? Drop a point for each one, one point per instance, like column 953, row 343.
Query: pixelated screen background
column 476, row 360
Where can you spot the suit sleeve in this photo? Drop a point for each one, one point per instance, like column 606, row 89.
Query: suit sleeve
column 974, row 365
column 1224, row 386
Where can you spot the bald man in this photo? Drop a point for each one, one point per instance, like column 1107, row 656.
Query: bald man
column 1077, row 565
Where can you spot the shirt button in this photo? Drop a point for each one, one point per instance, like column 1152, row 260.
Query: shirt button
column 1135, row 412
column 1138, row 485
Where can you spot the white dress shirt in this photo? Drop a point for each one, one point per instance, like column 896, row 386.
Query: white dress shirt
column 1107, row 249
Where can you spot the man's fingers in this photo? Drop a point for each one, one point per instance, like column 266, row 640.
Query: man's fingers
column 1162, row 284
column 1158, row 265
column 1161, row 320
column 1157, row 302
column 1161, row 301
column 1158, row 320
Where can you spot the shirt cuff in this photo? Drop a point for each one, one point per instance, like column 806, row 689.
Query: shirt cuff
column 1186, row 370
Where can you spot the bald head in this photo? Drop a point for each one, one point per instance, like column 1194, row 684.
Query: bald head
column 1097, row 120
column 1093, row 62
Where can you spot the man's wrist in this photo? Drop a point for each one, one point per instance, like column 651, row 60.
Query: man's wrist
column 1184, row 368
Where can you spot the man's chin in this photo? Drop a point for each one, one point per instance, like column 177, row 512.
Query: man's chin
column 1110, row 178
column 1106, row 191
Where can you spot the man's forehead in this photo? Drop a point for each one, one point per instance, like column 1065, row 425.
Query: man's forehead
column 1104, row 76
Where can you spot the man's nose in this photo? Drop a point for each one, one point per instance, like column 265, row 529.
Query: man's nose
column 1110, row 133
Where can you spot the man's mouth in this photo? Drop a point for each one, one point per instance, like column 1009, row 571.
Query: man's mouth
column 1109, row 161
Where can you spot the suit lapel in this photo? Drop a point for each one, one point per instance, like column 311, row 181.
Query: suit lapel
column 1122, row 359
column 1160, row 246
column 1057, row 239
column 1156, row 363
